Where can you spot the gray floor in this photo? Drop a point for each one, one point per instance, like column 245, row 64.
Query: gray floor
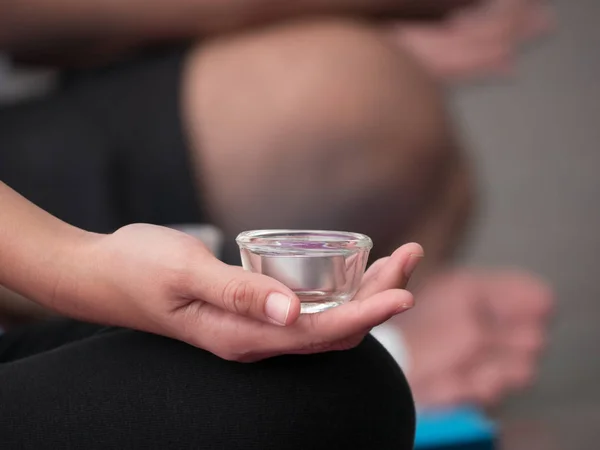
column 537, row 144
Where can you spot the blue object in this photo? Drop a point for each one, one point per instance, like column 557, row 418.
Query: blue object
column 462, row 428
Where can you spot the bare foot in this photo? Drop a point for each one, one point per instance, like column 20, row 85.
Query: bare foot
column 477, row 42
column 475, row 336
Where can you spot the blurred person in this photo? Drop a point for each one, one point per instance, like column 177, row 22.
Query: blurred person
column 329, row 123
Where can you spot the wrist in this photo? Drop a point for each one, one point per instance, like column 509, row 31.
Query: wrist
column 41, row 257
column 73, row 278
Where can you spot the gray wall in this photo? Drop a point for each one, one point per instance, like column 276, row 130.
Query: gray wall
column 537, row 144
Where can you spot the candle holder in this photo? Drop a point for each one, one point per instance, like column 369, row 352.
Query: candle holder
column 323, row 268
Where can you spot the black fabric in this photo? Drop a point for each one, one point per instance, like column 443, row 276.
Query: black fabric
column 121, row 389
column 107, row 149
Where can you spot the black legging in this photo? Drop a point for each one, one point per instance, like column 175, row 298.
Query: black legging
column 66, row 385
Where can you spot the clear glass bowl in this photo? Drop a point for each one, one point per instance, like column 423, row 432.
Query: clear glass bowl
column 324, row 268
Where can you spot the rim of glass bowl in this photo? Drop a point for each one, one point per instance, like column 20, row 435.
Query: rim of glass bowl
column 294, row 242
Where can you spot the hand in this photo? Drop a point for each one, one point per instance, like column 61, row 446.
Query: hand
column 478, row 41
column 475, row 336
column 163, row 281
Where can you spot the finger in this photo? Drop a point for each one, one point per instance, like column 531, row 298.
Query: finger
column 357, row 316
column 485, row 31
column 244, row 293
column 454, row 53
column 499, row 370
column 542, row 21
column 498, row 21
column 520, row 372
column 374, row 269
column 518, row 299
column 526, row 20
column 488, row 383
column 497, row 375
column 497, row 59
column 393, row 273
column 240, row 338
column 533, row 21
column 517, row 353
column 508, row 21
column 342, row 345
column 530, row 340
column 227, row 335
column 431, row 45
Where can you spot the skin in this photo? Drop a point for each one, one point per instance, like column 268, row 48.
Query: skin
column 177, row 288
column 73, row 32
column 492, row 324
column 476, row 42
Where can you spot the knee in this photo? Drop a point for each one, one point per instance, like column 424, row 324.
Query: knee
column 353, row 399
column 329, row 111
column 360, row 103
column 168, row 392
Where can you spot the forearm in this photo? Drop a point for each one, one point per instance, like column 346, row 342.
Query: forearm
column 42, row 25
column 16, row 310
column 37, row 251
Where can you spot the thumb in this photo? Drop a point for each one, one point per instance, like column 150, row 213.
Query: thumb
column 247, row 294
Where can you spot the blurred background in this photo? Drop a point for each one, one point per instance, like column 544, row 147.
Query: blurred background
column 536, row 146
column 534, row 142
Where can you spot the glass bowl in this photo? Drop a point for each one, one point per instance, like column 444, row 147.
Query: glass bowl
column 323, row 268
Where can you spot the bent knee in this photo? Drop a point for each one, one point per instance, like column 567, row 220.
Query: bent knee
column 327, row 110
column 352, row 399
column 324, row 80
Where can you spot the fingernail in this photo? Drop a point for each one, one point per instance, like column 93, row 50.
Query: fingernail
column 277, row 308
column 412, row 263
column 404, row 307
